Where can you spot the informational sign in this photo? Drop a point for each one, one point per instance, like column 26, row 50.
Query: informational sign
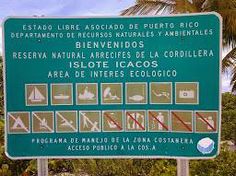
column 133, row 87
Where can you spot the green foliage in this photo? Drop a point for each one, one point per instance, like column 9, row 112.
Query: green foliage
column 60, row 165
column 16, row 167
column 125, row 167
column 32, row 168
column 223, row 165
column 85, row 166
column 1, row 89
column 163, row 168
column 55, row 166
column 4, row 171
column 228, row 101
column 1, row 131
column 228, row 117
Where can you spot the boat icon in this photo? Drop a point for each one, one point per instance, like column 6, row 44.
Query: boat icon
column 61, row 97
column 36, row 95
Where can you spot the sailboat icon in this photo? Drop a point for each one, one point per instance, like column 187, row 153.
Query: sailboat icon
column 36, row 95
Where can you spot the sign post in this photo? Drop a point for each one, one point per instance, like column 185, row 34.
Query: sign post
column 132, row 87
column 42, row 165
column 182, row 167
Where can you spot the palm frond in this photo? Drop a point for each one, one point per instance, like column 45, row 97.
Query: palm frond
column 229, row 28
column 185, row 6
column 144, row 7
column 227, row 9
column 199, row 4
column 154, row 7
column 233, row 80
column 229, row 60
column 233, row 87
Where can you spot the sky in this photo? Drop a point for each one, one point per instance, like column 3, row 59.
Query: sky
column 71, row 8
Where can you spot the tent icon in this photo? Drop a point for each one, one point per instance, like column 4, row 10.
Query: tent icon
column 18, row 122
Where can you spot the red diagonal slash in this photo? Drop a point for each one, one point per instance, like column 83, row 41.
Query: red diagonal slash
column 175, row 115
column 111, row 119
column 154, row 117
column 206, row 121
column 135, row 121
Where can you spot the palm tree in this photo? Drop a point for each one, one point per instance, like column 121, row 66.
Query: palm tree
column 227, row 9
